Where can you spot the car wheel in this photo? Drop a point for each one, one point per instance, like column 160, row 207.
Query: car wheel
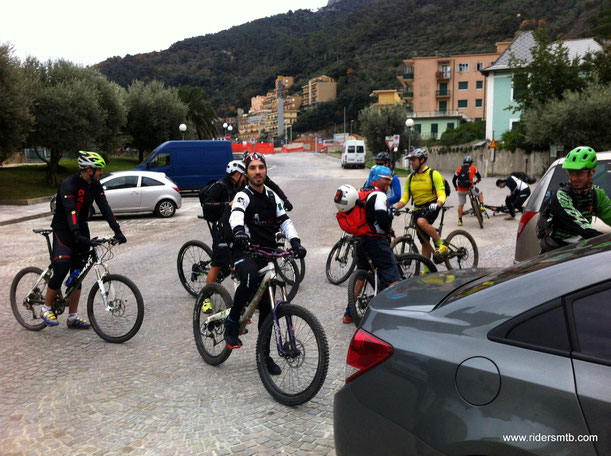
column 165, row 208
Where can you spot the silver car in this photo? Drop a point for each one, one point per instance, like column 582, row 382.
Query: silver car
column 527, row 244
column 485, row 362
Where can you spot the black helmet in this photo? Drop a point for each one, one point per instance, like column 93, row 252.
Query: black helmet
column 382, row 156
column 468, row 159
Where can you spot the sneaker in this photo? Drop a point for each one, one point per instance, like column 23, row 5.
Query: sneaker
column 272, row 367
column 348, row 318
column 231, row 335
column 483, row 208
column 441, row 249
column 459, row 222
column 49, row 318
column 206, row 305
column 509, row 217
column 78, row 323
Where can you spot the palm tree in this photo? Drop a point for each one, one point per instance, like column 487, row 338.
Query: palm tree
column 200, row 114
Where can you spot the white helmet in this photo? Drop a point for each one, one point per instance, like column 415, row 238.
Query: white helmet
column 345, row 198
column 236, row 165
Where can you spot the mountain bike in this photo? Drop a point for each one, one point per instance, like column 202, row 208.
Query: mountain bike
column 462, row 250
column 410, row 265
column 114, row 306
column 476, row 209
column 341, row 260
column 300, row 343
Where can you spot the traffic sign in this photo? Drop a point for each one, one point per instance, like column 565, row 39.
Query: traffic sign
column 392, row 141
column 227, row 137
column 493, row 144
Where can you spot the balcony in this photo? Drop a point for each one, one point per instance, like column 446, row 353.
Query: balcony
column 408, row 95
column 443, row 75
column 408, row 73
column 442, row 93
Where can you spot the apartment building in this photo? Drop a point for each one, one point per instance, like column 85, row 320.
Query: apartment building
column 319, row 90
column 386, row 97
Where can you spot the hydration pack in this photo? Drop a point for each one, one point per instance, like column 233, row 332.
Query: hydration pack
column 354, row 221
column 446, row 184
column 524, row 177
column 464, row 179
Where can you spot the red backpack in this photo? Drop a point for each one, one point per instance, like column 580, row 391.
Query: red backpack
column 354, row 221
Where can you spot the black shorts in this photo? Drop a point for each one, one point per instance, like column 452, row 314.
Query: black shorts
column 221, row 251
column 66, row 250
column 427, row 214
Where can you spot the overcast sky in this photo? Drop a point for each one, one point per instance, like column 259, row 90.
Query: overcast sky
column 87, row 32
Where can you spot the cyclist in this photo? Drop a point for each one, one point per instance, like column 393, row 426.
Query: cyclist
column 71, row 239
column 376, row 243
column 572, row 207
column 519, row 192
column 257, row 214
column 463, row 184
column 288, row 207
column 394, row 190
column 427, row 203
column 217, row 203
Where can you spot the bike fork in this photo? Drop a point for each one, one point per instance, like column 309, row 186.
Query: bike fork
column 277, row 330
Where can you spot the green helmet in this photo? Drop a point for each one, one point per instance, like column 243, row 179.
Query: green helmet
column 90, row 160
column 581, row 157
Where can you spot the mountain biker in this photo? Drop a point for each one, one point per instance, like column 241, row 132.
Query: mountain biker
column 71, row 239
column 427, row 204
column 463, row 183
column 375, row 244
column 218, row 201
column 288, row 207
column 572, row 207
column 256, row 216
column 394, row 190
column 519, row 192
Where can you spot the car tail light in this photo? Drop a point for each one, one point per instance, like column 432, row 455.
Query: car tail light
column 176, row 188
column 365, row 352
column 526, row 216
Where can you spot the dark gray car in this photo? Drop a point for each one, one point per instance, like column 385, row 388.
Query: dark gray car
column 479, row 362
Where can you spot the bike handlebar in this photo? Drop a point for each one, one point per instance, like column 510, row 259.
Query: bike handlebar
column 257, row 250
column 99, row 241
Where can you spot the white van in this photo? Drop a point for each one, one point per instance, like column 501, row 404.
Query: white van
column 354, row 153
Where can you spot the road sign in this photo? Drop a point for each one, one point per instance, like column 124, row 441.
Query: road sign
column 227, row 137
column 392, row 141
column 493, row 144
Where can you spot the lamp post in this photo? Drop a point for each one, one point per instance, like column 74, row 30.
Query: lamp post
column 182, row 128
column 409, row 123
column 351, row 121
column 225, row 124
column 230, row 129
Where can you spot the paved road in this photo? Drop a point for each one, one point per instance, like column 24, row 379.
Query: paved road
column 71, row 393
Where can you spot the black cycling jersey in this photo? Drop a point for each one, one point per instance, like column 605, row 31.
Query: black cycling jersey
column 271, row 184
column 571, row 212
column 73, row 203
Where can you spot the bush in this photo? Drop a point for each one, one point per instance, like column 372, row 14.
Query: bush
column 465, row 133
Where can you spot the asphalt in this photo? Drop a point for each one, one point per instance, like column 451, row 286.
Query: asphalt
column 10, row 214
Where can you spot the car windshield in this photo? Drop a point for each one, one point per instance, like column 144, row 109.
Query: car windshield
column 569, row 253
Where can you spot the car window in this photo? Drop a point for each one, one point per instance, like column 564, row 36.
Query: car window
column 148, row 182
column 360, row 149
column 350, row 149
column 121, row 182
column 592, row 315
column 162, row 159
column 546, row 330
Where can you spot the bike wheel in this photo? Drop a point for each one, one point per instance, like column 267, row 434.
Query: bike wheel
column 123, row 318
column 477, row 211
column 302, row 268
column 26, row 300
column 462, row 251
column 340, row 262
column 403, row 244
column 193, row 264
column 412, row 265
column 288, row 271
column 358, row 304
column 209, row 339
column 300, row 350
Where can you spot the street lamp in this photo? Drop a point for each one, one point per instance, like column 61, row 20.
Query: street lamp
column 409, row 123
column 351, row 121
column 182, row 128
column 225, row 124
column 229, row 129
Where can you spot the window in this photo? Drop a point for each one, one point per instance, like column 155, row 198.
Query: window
column 479, row 66
column 545, row 330
column 360, row 149
column 148, row 182
column 463, row 85
column 463, row 67
column 478, row 103
column 479, row 84
column 121, row 182
column 434, row 129
column 418, row 128
column 592, row 323
column 443, row 106
column 351, row 149
column 162, row 159
column 463, row 104
column 450, row 126
column 514, row 124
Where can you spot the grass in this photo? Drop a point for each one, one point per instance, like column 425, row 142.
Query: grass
column 28, row 181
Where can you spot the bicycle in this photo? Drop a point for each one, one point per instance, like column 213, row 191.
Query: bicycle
column 410, row 265
column 341, row 260
column 462, row 250
column 476, row 209
column 116, row 317
column 297, row 334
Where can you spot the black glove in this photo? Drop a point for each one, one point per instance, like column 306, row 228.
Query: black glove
column 288, row 207
column 298, row 249
column 242, row 240
column 120, row 237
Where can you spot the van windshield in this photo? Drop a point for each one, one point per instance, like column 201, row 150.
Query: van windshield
column 146, row 158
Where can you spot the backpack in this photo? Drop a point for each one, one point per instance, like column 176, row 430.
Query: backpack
column 446, row 184
column 211, row 214
column 524, row 177
column 354, row 221
column 464, row 177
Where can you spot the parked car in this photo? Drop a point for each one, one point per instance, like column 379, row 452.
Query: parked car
column 527, row 244
column 354, row 153
column 514, row 361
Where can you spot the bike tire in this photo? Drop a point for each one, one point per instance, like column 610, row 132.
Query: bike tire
column 289, row 272
column 411, row 265
column 304, row 368
column 358, row 305
column 122, row 322
column 301, row 265
column 462, row 253
column 340, row 264
column 191, row 254
column 210, row 342
column 21, row 287
column 402, row 245
column 477, row 211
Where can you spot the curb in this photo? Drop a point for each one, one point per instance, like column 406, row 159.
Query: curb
column 23, row 219
column 26, row 202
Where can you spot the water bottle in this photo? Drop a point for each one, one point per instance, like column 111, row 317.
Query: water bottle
column 74, row 274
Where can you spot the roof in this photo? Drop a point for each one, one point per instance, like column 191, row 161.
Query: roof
column 579, row 48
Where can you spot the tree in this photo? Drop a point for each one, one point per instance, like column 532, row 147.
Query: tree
column 15, row 104
column 580, row 118
column 200, row 114
column 154, row 113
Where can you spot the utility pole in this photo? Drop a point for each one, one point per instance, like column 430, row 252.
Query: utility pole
column 344, row 121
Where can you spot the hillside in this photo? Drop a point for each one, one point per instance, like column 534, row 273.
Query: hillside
column 361, row 43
